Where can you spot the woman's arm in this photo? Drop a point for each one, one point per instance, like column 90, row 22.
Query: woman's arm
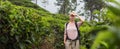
column 65, row 34
column 64, row 38
column 80, row 22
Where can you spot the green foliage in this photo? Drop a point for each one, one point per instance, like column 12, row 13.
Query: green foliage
column 89, row 31
column 54, row 25
column 104, row 40
column 26, row 3
column 83, row 47
column 93, row 5
column 66, row 6
column 20, row 26
column 24, row 26
column 109, row 39
column 28, row 28
column 114, row 8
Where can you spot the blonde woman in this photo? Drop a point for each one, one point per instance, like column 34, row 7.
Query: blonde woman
column 71, row 32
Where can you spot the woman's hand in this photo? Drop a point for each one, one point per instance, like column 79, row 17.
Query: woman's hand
column 65, row 37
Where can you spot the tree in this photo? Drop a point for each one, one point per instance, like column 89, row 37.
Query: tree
column 92, row 5
column 36, row 1
column 66, row 6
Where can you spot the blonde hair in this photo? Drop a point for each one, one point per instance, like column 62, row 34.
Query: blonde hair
column 73, row 12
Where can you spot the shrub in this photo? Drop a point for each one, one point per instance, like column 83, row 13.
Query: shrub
column 20, row 27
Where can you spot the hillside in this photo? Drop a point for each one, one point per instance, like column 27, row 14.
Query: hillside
column 25, row 25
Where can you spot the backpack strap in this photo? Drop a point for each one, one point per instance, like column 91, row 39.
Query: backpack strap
column 77, row 30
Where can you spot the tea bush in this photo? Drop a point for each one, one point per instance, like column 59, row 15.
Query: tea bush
column 20, row 27
column 27, row 28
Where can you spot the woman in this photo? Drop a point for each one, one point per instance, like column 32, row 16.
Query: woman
column 71, row 32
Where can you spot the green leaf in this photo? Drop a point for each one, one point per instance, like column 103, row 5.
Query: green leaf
column 105, row 44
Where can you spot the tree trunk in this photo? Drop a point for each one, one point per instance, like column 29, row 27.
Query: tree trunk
column 36, row 1
column 91, row 15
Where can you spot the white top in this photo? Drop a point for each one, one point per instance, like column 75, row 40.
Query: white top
column 72, row 31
